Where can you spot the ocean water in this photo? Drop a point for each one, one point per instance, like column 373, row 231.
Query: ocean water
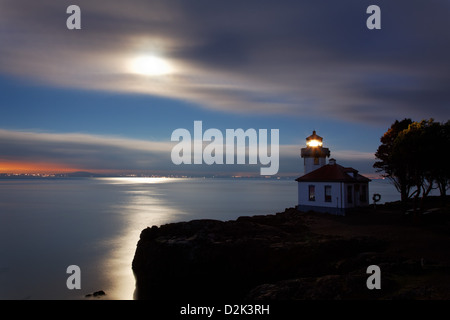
column 47, row 225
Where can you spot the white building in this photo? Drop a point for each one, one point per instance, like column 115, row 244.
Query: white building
column 329, row 187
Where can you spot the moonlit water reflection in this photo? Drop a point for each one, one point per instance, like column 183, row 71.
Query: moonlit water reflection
column 156, row 201
column 95, row 223
column 48, row 224
column 144, row 206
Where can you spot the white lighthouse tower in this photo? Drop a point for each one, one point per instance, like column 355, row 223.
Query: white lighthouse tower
column 314, row 154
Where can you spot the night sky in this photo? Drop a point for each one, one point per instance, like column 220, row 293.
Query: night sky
column 87, row 100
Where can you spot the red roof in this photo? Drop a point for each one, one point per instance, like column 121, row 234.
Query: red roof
column 333, row 173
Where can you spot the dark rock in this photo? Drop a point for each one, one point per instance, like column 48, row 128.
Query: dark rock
column 209, row 259
column 278, row 257
column 99, row 293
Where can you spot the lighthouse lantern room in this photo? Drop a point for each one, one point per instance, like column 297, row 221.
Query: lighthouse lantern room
column 314, row 154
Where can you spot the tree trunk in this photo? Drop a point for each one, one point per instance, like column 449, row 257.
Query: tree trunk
column 443, row 190
column 403, row 194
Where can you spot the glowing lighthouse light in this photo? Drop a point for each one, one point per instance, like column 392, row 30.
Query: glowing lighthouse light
column 314, row 140
column 314, row 154
column 314, row 143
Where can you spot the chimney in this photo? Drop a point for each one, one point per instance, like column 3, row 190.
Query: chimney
column 332, row 161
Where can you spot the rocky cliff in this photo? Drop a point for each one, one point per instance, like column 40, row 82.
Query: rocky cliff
column 280, row 256
column 210, row 259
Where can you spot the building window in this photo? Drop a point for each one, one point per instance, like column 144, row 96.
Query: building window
column 363, row 195
column 349, row 194
column 312, row 193
column 327, row 193
column 316, row 161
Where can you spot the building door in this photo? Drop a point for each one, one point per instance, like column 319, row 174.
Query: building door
column 356, row 197
column 350, row 196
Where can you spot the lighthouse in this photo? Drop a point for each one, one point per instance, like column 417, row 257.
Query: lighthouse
column 314, row 154
column 330, row 187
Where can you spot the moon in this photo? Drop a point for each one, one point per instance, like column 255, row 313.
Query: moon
column 151, row 66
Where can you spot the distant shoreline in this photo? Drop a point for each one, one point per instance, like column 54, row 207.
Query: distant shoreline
column 88, row 175
column 83, row 174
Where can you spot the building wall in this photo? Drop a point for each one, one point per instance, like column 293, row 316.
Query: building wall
column 339, row 201
column 303, row 194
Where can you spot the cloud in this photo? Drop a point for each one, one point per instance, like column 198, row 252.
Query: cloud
column 84, row 151
column 43, row 151
column 292, row 151
column 291, row 162
column 299, row 58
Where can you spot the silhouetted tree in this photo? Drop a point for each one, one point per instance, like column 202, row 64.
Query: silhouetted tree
column 392, row 165
column 419, row 144
column 441, row 169
column 412, row 156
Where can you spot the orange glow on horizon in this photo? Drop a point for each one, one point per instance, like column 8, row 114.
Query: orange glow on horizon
column 16, row 167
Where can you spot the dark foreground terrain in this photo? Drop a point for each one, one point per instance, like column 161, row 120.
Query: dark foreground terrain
column 297, row 255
